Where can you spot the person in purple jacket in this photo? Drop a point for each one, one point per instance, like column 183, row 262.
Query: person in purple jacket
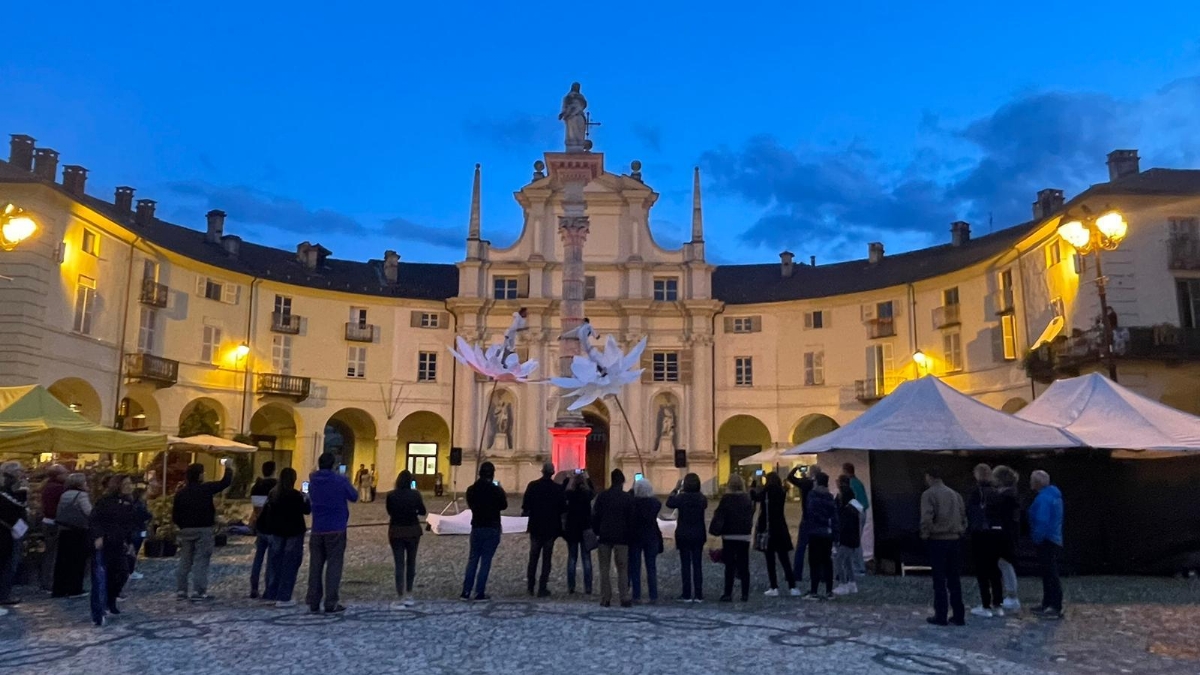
column 330, row 493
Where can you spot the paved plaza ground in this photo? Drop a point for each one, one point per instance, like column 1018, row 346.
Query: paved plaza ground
column 1114, row 625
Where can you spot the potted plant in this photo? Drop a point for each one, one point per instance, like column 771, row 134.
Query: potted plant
column 162, row 532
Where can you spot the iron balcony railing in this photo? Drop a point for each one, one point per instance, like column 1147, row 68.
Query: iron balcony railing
column 150, row 368
column 945, row 316
column 881, row 327
column 360, row 333
column 285, row 323
column 153, row 293
column 278, row 384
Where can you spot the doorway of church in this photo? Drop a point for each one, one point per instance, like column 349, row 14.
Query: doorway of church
column 597, row 450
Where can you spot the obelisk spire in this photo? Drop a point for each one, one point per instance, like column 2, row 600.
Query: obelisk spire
column 473, row 226
column 697, row 213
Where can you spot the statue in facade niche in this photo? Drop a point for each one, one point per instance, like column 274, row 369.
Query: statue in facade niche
column 666, row 430
column 573, row 115
column 501, row 427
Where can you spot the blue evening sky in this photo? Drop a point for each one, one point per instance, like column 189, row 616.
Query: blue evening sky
column 818, row 126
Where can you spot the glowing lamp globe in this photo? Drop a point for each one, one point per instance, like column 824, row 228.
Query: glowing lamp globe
column 1112, row 226
column 1075, row 234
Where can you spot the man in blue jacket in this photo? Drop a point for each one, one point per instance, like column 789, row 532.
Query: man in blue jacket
column 1045, row 525
column 330, row 493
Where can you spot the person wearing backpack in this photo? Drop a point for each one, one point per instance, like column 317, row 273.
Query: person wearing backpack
column 987, row 535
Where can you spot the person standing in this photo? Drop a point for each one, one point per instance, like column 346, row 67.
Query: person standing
column 330, row 494
column 543, row 505
column 579, row 494
column 74, row 546
column 733, row 521
column 849, row 538
column 773, row 532
column 1009, row 507
column 860, row 493
column 983, row 522
column 112, row 528
column 611, row 516
column 284, row 512
column 195, row 515
column 141, row 520
column 405, row 507
column 262, row 538
column 821, row 524
column 645, row 541
column 374, row 482
column 1045, row 528
column 943, row 521
column 690, row 537
column 487, row 501
column 362, row 480
column 13, row 525
column 52, row 492
column 804, row 482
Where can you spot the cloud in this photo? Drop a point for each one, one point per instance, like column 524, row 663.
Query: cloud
column 250, row 205
column 989, row 168
column 518, row 131
column 407, row 230
column 650, row 136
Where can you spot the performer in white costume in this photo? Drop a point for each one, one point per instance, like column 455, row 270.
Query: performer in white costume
column 510, row 335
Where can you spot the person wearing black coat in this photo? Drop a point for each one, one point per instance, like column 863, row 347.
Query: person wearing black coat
column 543, row 504
column 645, row 541
column 487, row 500
column 804, row 481
column 733, row 521
column 985, row 523
column 1008, row 509
column 612, row 513
column 690, row 535
column 283, row 516
column 13, row 515
column 405, row 507
column 849, row 538
column 579, row 494
column 820, row 524
column 113, row 525
column 773, row 524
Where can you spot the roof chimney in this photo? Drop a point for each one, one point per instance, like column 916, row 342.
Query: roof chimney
column 145, row 212
column 785, row 264
column 20, row 151
column 216, row 226
column 960, row 232
column 232, row 244
column 311, row 256
column 812, row 260
column 45, row 163
column 1048, row 202
column 1122, row 163
column 875, row 252
column 74, row 178
column 123, row 199
column 391, row 266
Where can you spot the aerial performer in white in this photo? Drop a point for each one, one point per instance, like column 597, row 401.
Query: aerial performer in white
column 510, row 335
column 584, row 333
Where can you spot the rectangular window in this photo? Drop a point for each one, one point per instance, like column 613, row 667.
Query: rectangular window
column 85, row 304
column 1188, row 293
column 1080, row 263
column 281, row 354
column 213, row 290
column 743, row 371
column 150, row 270
column 950, row 297
column 589, row 288
column 505, row 288
column 743, row 324
column 1053, row 254
column 429, row 320
column 881, row 370
column 210, row 347
column 356, row 362
column 665, row 367
column 952, row 351
column 884, row 310
column 427, row 367
column 1184, row 226
column 1008, row 329
column 814, row 368
column 283, row 306
column 814, row 319
column 666, row 289
column 91, row 242
column 358, row 317
column 146, row 329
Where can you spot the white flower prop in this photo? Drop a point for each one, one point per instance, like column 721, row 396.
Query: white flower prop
column 491, row 362
column 604, row 374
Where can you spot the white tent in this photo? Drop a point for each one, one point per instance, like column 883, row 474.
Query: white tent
column 207, row 443
column 928, row 414
column 764, row 457
column 1103, row 414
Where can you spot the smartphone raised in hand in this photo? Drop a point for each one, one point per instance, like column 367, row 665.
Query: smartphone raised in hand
column 304, row 487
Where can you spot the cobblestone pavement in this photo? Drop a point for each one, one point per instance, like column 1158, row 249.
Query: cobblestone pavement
column 1114, row 625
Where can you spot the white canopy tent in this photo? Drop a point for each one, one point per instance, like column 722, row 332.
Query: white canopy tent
column 207, row 443
column 928, row 414
column 1103, row 414
column 764, row 457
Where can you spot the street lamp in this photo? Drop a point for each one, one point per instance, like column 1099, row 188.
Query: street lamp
column 921, row 360
column 1098, row 233
column 15, row 227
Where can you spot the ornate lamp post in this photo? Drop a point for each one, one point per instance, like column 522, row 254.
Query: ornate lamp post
column 15, row 227
column 1098, row 233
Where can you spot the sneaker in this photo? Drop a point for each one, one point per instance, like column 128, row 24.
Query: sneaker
column 99, row 622
column 336, row 609
column 465, row 597
column 284, row 604
column 810, row 596
column 998, row 612
column 795, row 592
column 11, row 602
column 201, row 597
column 543, row 593
column 724, row 598
column 828, row 596
column 397, row 604
column 844, row 589
column 409, row 601
column 483, row 597
column 1011, row 604
column 698, row 600
column 77, row 596
column 1052, row 615
column 178, row 596
column 136, row 575
column 853, row 587
column 772, row 593
column 686, row 601
column 1039, row 610
column 981, row 612
column 934, row 621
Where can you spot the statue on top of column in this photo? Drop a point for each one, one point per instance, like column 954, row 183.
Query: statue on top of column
column 573, row 115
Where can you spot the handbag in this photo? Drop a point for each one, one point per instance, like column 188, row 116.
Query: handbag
column 590, row 541
column 717, row 526
column 714, row 554
column 71, row 515
column 762, row 540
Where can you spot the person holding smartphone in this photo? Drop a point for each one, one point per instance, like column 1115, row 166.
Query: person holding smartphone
column 543, row 504
column 404, row 507
column 486, row 500
column 195, row 515
column 283, row 515
column 330, row 493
